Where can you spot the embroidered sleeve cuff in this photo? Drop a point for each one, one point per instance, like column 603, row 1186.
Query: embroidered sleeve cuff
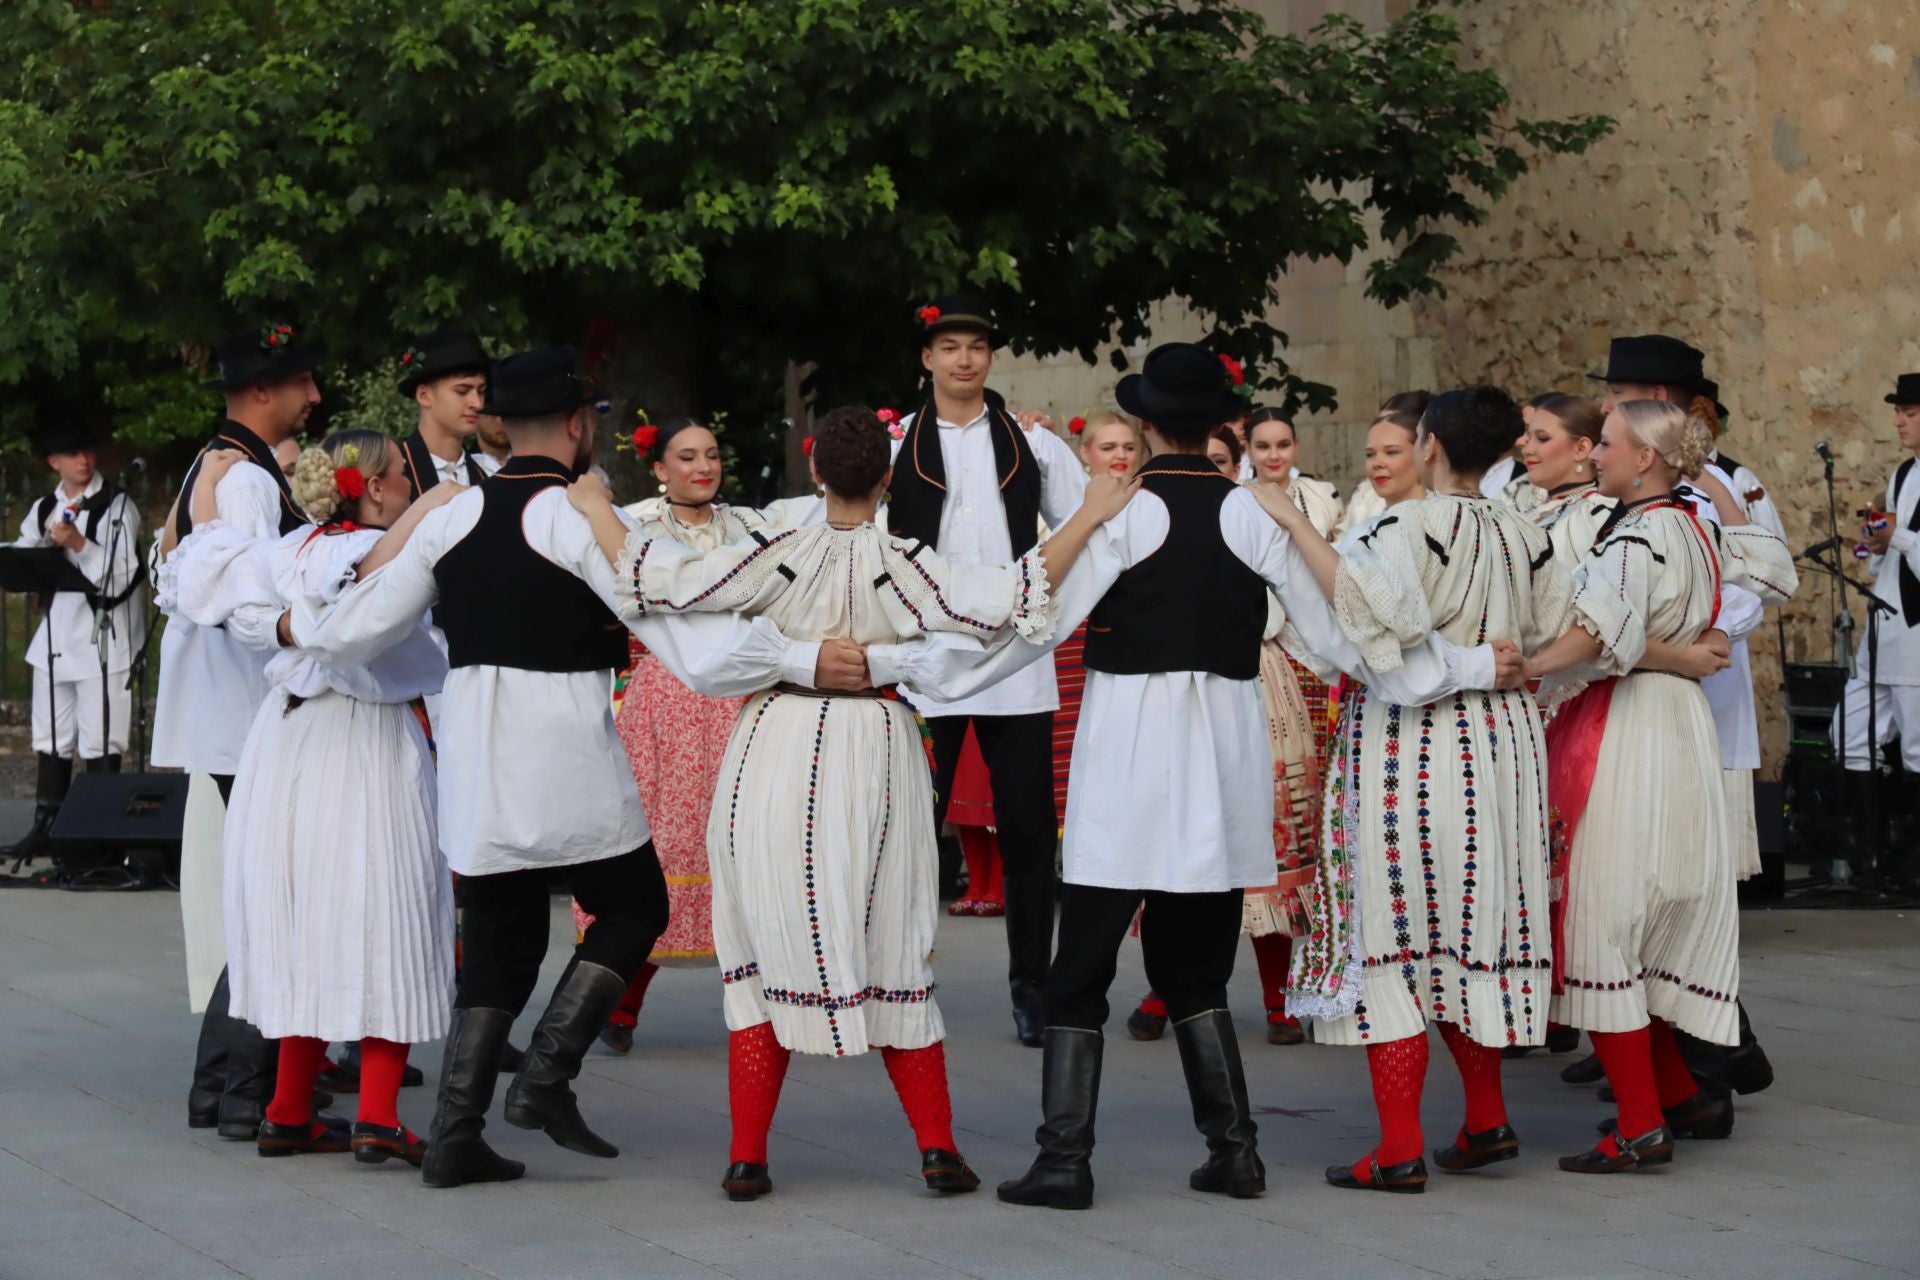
column 627, row 571
column 1034, row 610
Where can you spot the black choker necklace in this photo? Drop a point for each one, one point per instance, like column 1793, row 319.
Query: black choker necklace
column 704, row 502
column 1568, row 487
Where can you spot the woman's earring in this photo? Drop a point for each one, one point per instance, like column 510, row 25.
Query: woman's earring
column 1636, row 482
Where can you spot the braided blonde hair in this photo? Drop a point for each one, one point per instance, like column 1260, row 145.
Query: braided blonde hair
column 313, row 483
column 1668, row 431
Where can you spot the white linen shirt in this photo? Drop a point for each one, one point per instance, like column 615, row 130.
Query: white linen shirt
column 1730, row 692
column 1899, row 643
column 210, row 683
column 1171, row 786
column 69, row 622
column 973, row 530
column 531, row 772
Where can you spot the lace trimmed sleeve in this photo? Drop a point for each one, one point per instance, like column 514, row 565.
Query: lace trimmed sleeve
column 655, row 575
column 1610, row 601
column 1377, row 593
column 926, row 593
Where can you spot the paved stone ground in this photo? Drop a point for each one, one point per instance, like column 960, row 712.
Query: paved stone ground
column 99, row 1175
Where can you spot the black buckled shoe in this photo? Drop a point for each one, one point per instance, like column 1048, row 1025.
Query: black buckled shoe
column 1285, row 1033
column 947, row 1172
column 342, row 1076
column 1142, row 1025
column 1217, row 1088
column 1655, row 1147
column 322, row 1135
column 618, row 1037
column 541, row 1096
column 1061, row 1176
column 1477, row 1150
column 744, row 1181
column 1409, row 1177
column 375, row 1144
column 1707, row 1114
column 1586, row 1071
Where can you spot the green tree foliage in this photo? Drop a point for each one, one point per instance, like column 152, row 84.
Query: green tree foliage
column 701, row 192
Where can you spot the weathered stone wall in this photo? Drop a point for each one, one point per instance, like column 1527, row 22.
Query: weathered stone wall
column 1759, row 197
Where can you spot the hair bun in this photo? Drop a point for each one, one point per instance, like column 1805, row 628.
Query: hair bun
column 313, row 486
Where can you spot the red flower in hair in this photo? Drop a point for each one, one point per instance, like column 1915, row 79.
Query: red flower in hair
column 1076, row 425
column 928, row 314
column 349, row 482
column 644, row 437
column 806, row 447
column 1234, row 370
column 888, row 416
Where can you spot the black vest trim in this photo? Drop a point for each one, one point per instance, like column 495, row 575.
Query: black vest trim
column 1909, row 583
column 919, row 489
column 503, row 604
column 95, row 509
column 1192, row 605
column 416, row 461
column 232, row 435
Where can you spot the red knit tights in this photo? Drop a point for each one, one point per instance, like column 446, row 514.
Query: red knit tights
column 1627, row 1057
column 1399, row 1071
column 756, row 1068
column 1670, row 1075
column 1479, row 1076
column 628, row 1014
column 920, row 1078
column 1272, row 953
column 383, row 1064
column 300, row 1061
column 985, row 881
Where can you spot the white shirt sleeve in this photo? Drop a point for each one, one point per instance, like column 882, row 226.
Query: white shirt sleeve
column 1741, row 612
column 377, row 612
column 1063, row 481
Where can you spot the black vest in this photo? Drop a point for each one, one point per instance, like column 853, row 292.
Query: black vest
column 919, row 489
column 1909, row 584
column 503, row 604
column 1192, row 605
column 232, row 435
column 421, row 468
column 92, row 512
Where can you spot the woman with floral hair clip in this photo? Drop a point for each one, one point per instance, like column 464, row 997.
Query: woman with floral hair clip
column 339, row 908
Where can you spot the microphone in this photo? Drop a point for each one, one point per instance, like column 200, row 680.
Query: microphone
column 1820, row 447
column 1819, row 549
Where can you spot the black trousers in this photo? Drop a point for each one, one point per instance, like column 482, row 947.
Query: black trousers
column 505, row 919
column 1189, row 941
column 1019, row 755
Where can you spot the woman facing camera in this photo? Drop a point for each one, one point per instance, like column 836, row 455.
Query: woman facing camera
column 1391, row 476
column 1652, row 928
column 339, row 907
column 822, row 841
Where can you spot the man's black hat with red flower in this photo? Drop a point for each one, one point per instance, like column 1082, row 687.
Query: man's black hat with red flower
column 959, row 311
column 270, row 353
column 440, row 354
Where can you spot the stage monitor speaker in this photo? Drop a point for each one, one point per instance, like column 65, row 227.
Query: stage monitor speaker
column 125, row 810
column 1769, row 813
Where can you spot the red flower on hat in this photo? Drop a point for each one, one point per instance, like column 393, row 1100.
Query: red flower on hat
column 644, row 437
column 888, row 416
column 1234, row 369
column 1076, row 424
column 806, row 447
column 928, row 314
column 349, row 482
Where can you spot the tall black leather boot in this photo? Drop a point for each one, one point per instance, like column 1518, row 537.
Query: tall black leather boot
column 210, row 1061
column 54, row 776
column 253, row 1065
column 456, row 1153
column 1029, row 921
column 1217, row 1085
column 1061, row 1176
column 540, row 1097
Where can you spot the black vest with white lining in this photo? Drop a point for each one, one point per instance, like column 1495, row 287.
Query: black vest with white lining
column 1192, row 605
column 503, row 604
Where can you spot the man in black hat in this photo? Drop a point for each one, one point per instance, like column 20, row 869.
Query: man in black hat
column 1170, row 804
column 86, row 641
column 212, row 680
column 445, row 374
column 526, row 599
column 969, row 482
column 1893, row 543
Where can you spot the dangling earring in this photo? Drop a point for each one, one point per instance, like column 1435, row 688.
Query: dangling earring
column 1636, row 482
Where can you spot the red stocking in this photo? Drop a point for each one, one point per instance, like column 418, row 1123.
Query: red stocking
column 1153, row 1006
column 1479, row 1076
column 1674, row 1083
column 756, row 1067
column 628, row 1014
column 383, row 1064
column 920, row 1078
column 982, row 850
column 1272, row 953
column 996, row 878
column 1399, row 1071
column 300, row 1059
column 1627, row 1057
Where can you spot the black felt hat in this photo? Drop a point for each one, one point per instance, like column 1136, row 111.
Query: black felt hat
column 959, row 311
column 1654, row 360
column 440, row 354
column 534, row 384
column 267, row 354
column 1181, row 385
column 62, row 437
column 1711, row 390
column 1906, row 390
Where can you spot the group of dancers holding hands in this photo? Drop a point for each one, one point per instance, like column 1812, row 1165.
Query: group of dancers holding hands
column 1444, row 754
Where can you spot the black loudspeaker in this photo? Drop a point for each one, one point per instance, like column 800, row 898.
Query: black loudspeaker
column 130, row 820
column 1769, row 812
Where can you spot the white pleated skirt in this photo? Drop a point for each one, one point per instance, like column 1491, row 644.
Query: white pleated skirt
column 1447, row 803
column 1652, row 918
column 339, row 906
column 824, row 867
column 1743, row 826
